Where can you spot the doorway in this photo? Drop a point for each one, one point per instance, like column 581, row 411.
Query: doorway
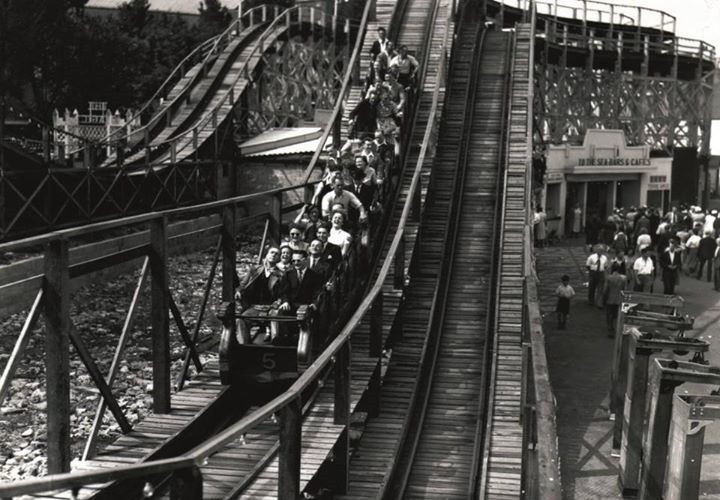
column 598, row 194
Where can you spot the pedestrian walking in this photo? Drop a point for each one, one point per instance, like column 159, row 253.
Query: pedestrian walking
column 614, row 285
column 564, row 292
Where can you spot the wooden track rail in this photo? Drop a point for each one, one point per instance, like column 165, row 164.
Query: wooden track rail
column 502, row 466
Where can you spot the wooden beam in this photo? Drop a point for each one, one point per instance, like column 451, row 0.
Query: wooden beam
column 160, row 320
column 228, row 254
column 115, row 365
column 20, row 345
column 57, row 355
column 289, row 452
column 196, row 332
column 184, row 332
column 110, row 260
column 97, row 377
column 341, row 463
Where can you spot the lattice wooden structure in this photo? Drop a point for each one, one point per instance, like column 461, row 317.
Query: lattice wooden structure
column 600, row 65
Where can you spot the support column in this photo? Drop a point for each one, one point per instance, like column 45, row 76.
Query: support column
column 57, row 355
column 341, row 456
column 289, row 452
column 228, row 253
column 160, row 320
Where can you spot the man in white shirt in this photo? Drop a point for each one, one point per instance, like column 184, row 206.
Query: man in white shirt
column 339, row 196
column 644, row 272
column 596, row 265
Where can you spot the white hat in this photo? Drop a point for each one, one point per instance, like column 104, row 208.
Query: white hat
column 713, row 212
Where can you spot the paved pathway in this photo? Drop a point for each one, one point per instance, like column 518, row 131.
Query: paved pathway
column 580, row 359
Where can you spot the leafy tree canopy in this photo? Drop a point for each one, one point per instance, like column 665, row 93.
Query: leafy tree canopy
column 52, row 55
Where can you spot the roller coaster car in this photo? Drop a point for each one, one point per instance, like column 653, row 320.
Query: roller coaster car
column 245, row 355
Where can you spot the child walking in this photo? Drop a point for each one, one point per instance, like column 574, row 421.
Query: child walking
column 564, row 293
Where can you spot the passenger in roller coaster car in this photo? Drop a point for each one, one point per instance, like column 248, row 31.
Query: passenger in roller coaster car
column 395, row 91
column 299, row 286
column 331, row 253
column 285, row 256
column 407, row 67
column 338, row 236
column 316, row 262
column 380, row 44
column 339, row 196
column 363, row 118
column 309, row 219
column 296, row 241
column 259, row 285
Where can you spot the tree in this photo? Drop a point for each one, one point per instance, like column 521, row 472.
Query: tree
column 214, row 18
column 135, row 16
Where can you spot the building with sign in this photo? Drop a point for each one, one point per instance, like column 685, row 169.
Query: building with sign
column 600, row 175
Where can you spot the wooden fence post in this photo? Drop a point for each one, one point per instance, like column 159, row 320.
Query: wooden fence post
column 228, row 254
column 57, row 355
column 289, row 452
column 341, row 462
column 160, row 318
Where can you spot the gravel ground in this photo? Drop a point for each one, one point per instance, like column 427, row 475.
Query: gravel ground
column 98, row 313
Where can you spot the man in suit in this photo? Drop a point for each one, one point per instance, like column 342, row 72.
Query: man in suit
column 299, row 285
column 331, row 254
column 364, row 192
column 614, row 284
column 315, row 260
column 670, row 262
column 380, row 44
column 258, row 286
column 706, row 252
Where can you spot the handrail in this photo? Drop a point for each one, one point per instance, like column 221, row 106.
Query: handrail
column 195, row 457
column 243, row 72
column 580, row 7
column 339, row 102
column 617, row 14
